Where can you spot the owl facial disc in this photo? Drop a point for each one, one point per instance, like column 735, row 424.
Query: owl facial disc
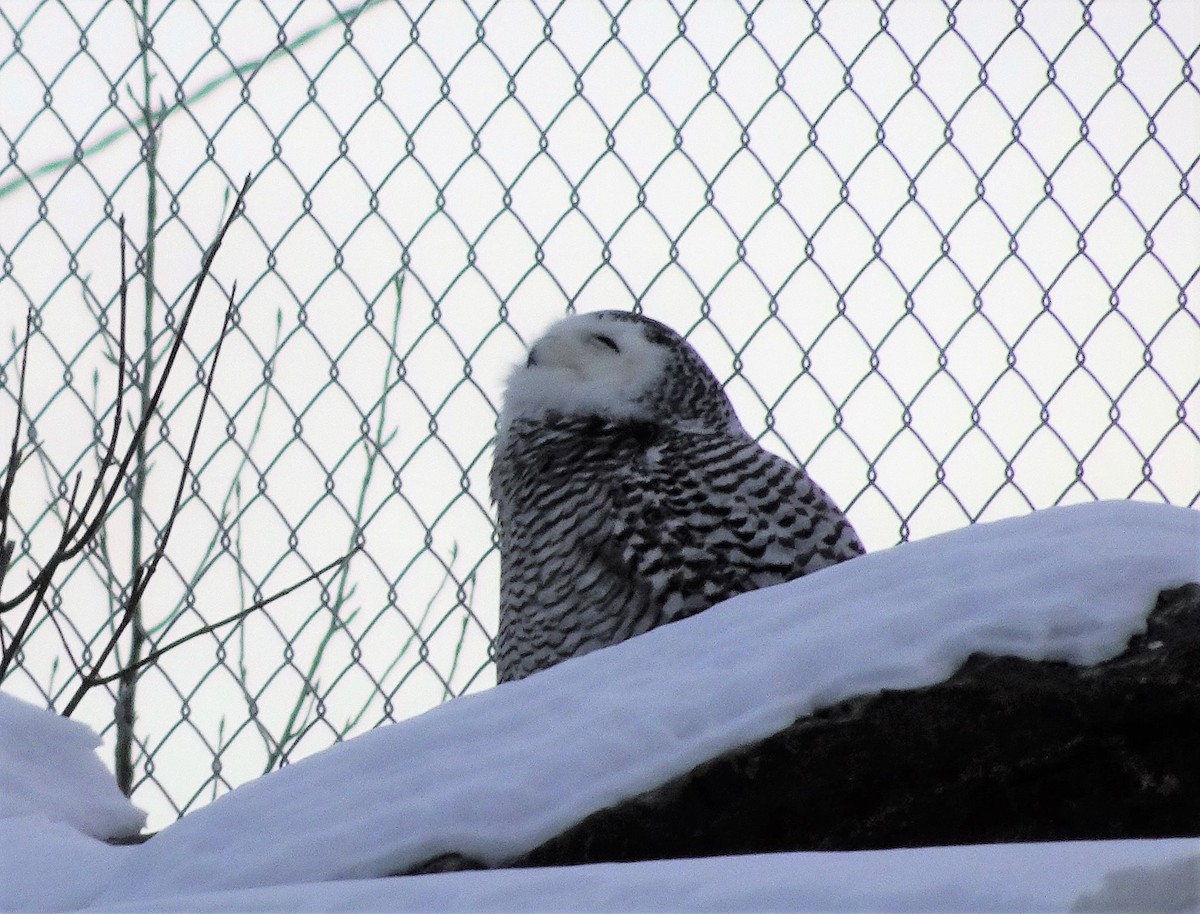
column 589, row 364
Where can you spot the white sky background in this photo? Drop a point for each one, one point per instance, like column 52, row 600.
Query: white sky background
column 897, row 315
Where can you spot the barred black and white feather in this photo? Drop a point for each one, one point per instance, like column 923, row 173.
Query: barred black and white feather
column 628, row 494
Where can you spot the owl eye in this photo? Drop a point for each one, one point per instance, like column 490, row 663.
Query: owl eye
column 607, row 341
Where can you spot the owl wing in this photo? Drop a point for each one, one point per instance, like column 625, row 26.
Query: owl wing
column 565, row 590
column 662, row 524
column 703, row 516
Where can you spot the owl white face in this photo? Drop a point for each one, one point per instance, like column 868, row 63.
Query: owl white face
column 586, row 365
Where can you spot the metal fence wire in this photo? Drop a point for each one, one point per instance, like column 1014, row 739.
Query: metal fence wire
column 944, row 253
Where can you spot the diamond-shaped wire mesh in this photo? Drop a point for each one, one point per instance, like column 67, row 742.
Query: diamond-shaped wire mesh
column 944, row 254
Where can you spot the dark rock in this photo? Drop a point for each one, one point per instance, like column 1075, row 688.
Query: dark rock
column 1005, row 750
column 124, row 840
column 446, row 863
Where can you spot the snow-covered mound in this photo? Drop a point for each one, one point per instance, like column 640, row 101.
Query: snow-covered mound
column 1069, row 876
column 49, row 769
column 48, row 866
column 494, row 774
column 56, row 798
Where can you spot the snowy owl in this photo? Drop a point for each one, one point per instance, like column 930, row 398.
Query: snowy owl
column 628, row 494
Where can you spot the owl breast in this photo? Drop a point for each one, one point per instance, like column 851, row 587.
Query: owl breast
column 611, row 528
column 563, row 588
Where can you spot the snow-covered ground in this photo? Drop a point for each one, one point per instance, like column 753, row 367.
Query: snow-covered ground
column 1140, row 876
column 496, row 773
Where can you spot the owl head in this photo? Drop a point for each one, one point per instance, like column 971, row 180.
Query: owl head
column 617, row 365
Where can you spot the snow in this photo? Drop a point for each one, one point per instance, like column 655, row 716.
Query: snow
column 1173, row 885
column 65, row 870
column 496, row 773
column 48, row 866
column 56, row 798
column 49, row 769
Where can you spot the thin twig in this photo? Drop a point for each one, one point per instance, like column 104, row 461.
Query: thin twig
column 122, row 356
column 146, row 571
column 176, row 344
column 154, row 655
column 124, row 712
column 71, row 529
column 165, row 534
column 39, row 585
column 78, row 531
column 206, row 561
column 78, row 536
column 14, row 454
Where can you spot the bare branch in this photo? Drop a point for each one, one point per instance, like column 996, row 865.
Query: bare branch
column 146, row 571
column 78, row 530
column 85, row 678
column 14, row 454
column 6, row 551
column 151, row 566
column 78, row 540
column 38, row 586
column 122, row 356
column 176, row 345
column 154, row 655
column 62, row 638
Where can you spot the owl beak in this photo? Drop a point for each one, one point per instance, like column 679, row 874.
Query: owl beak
column 532, row 361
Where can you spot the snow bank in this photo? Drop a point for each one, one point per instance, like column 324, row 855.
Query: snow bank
column 496, row 773
column 1169, row 885
column 48, row 866
column 49, row 769
column 56, row 799
column 997, row 878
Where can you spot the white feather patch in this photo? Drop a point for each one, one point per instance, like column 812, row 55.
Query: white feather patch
column 575, row 374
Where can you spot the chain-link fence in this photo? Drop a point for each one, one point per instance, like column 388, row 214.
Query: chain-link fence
column 944, row 253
